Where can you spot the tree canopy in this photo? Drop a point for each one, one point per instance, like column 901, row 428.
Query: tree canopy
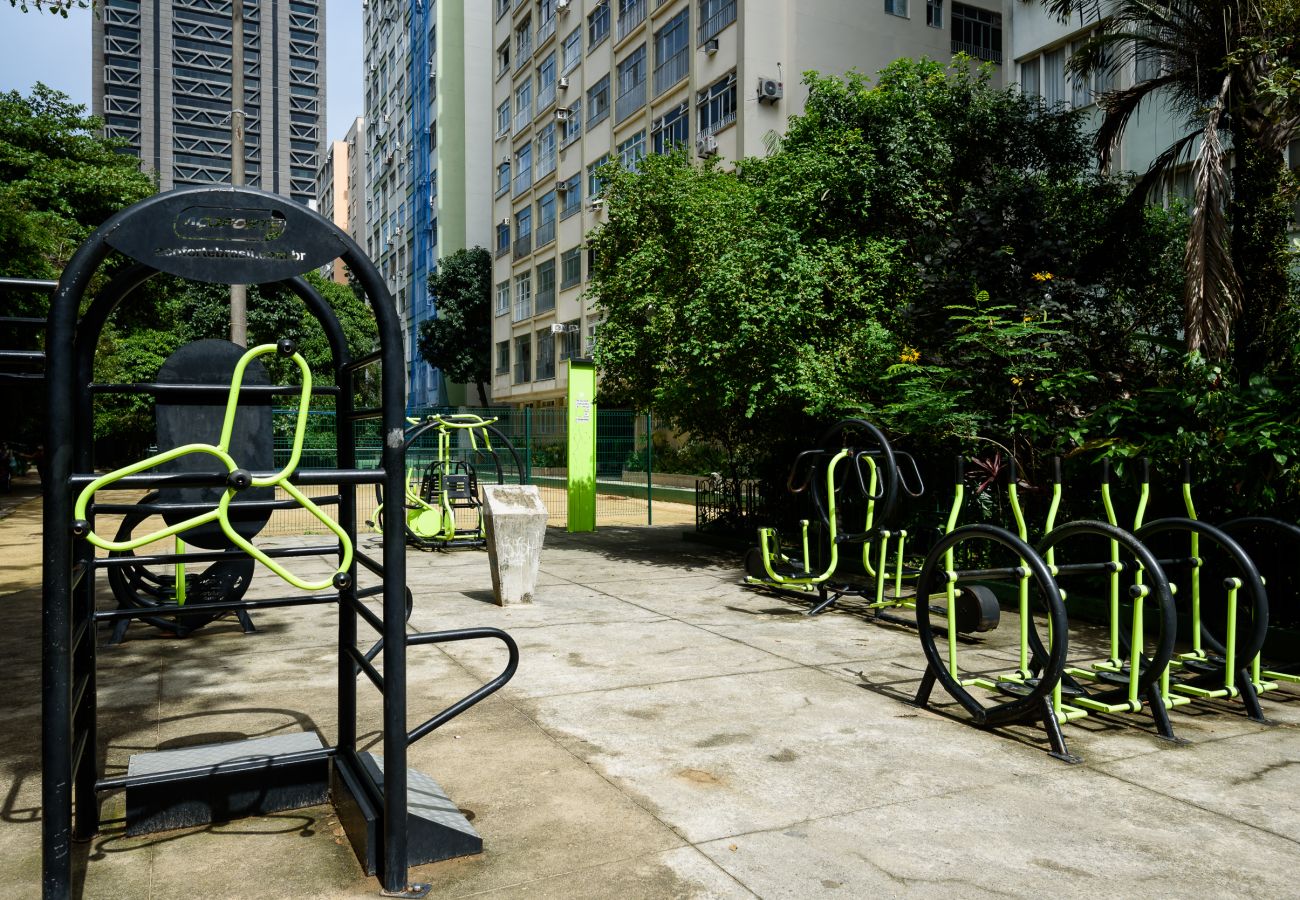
column 458, row 341
column 1230, row 70
column 908, row 239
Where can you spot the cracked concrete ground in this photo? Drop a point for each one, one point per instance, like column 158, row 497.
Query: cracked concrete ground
column 669, row 733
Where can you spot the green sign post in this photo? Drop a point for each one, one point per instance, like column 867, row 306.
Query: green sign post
column 582, row 445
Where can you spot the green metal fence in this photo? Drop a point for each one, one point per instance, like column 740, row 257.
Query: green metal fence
column 628, row 490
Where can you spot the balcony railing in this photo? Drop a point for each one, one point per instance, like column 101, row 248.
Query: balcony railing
column 546, row 29
column 545, row 369
column 725, row 15
column 629, row 103
column 524, row 180
column 988, row 54
column 545, row 234
column 502, row 251
column 630, row 18
column 523, row 310
column 671, row 70
column 523, row 246
column 523, row 117
column 523, row 52
column 522, row 373
column 545, row 165
column 545, row 96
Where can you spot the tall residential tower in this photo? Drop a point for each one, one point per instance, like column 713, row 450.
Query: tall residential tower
column 162, row 82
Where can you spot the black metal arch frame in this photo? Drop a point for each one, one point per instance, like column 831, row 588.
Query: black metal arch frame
column 224, row 236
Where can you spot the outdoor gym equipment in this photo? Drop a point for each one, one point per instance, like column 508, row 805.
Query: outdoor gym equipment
column 234, row 236
column 854, row 474
column 448, row 483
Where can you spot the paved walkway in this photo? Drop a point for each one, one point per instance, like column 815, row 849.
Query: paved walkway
column 669, row 734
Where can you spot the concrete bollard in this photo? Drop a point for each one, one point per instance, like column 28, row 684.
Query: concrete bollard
column 514, row 520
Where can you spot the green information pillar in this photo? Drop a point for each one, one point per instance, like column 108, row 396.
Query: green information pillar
column 582, row 445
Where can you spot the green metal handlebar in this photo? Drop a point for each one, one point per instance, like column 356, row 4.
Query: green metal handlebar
column 221, row 514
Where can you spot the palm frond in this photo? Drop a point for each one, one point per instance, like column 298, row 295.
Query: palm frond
column 1212, row 297
column 1119, row 107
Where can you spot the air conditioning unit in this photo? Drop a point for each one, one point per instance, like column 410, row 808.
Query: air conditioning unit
column 562, row 187
column 562, row 5
column 563, row 83
column 562, row 113
column 388, row 160
column 770, row 90
column 596, row 205
column 711, row 46
column 706, row 145
column 557, row 328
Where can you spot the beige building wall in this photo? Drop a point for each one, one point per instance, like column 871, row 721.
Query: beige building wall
column 332, row 198
column 356, row 180
column 720, row 80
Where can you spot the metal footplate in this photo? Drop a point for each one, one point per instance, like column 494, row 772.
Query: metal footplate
column 435, row 828
column 220, row 782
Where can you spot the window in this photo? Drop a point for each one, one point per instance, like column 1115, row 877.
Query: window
column 598, row 25
column 523, row 41
column 545, row 354
column 717, row 105
column 571, row 268
column 546, row 219
column 523, row 168
column 546, row 82
column 598, row 102
column 977, row 32
column 631, row 84
column 503, row 238
column 1147, row 61
column 523, row 296
column 715, row 15
column 594, row 184
column 546, row 20
column 571, row 124
column 672, row 51
column 503, row 118
column 545, row 287
column 1080, row 84
column 1029, row 82
column 571, row 50
column 631, row 150
column 1054, row 76
column 503, row 176
column 571, row 341
column 546, row 150
column 503, row 7
column 934, row 13
column 523, row 359
column 672, row 129
column 523, row 105
column 503, row 59
column 503, row 357
column 631, row 13
column 896, row 7
column 570, row 192
column 503, row 297
column 523, row 232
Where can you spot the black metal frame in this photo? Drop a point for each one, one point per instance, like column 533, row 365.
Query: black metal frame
column 224, row 236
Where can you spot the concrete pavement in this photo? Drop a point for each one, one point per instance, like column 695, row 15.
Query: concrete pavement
column 669, row 733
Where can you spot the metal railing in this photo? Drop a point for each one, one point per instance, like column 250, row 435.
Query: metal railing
column 629, row 102
column 988, row 54
column 523, row 246
column 630, row 17
column 545, row 232
column 671, row 70
column 724, row 16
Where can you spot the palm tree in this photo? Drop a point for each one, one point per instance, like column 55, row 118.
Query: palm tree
column 1229, row 67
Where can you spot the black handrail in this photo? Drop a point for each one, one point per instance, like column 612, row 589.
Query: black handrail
column 464, row 634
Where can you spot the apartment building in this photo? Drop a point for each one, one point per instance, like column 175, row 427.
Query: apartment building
column 332, row 199
column 161, row 80
column 579, row 82
column 427, row 96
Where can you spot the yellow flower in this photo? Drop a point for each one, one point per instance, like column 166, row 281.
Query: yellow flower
column 909, row 355
column 1042, row 276
column 1017, row 380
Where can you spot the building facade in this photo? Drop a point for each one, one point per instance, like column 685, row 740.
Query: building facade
column 332, row 199
column 161, row 72
column 427, row 93
column 580, row 82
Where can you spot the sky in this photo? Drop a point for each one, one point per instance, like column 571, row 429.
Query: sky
column 40, row 47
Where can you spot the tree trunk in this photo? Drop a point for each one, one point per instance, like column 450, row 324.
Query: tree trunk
column 1260, row 216
column 482, row 393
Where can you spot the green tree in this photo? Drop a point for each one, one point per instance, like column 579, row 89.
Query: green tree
column 56, row 7
column 458, row 341
column 739, row 305
column 59, row 180
column 1229, row 68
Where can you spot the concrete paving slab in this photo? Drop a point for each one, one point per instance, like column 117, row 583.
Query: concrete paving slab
column 728, row 755
column 1067, row 833
column 597, row 657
